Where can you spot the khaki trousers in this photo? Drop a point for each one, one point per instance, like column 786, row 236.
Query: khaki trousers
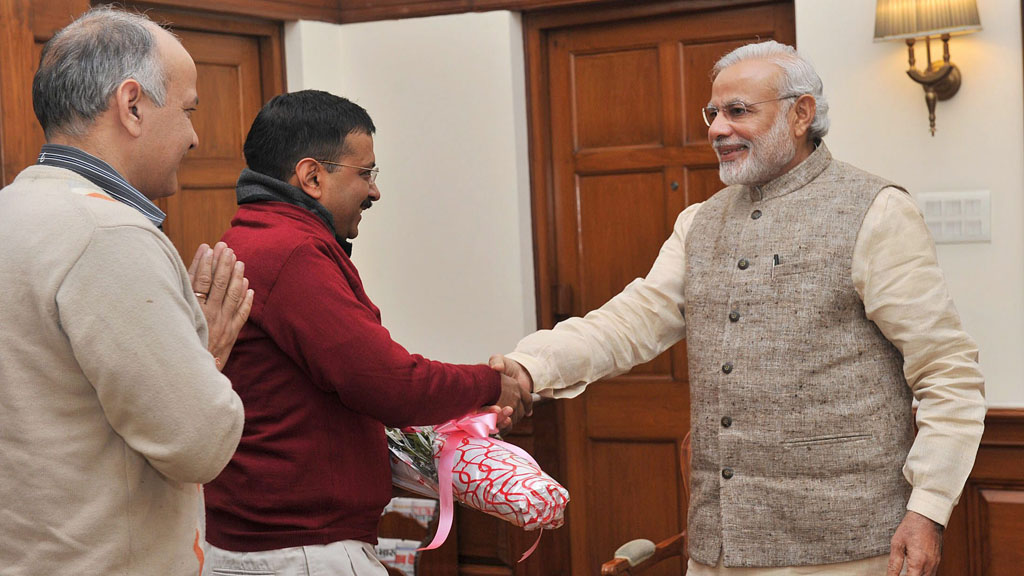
column 867, row 567
column 345, row 558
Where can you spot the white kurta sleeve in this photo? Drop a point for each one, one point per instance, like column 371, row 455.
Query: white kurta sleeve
column 639, row 323
column 897, row 275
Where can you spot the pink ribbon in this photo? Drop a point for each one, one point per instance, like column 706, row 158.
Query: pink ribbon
column 474, row 426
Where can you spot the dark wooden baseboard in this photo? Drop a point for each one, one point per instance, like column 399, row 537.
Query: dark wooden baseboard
column 985, row 535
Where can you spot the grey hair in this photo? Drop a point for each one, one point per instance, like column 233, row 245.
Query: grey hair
column 84, row 63
column 798, row 77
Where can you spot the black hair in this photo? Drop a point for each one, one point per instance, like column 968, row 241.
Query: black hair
column 297, row 125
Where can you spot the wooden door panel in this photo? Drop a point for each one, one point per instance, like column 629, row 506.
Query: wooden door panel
column 632, row 408
column 1002, row 515
column 747, row 24
column 617, row 97
column 628, row 152
column 638, row 493
column 621, row 229
column 222, row 87
column 229, row 86
column 197, row 215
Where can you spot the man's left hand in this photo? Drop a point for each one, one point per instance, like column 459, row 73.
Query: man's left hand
column 917, row 543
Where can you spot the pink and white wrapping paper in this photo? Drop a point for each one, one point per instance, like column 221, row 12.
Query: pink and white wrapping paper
column 489, row 475
column 502, row 480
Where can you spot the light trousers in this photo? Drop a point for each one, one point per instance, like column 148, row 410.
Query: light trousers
column 345, row 558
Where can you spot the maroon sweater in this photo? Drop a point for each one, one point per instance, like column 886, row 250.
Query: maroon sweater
column 320, row 377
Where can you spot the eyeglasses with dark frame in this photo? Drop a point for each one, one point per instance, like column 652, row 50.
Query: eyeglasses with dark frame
column 735, row 111
column 370, row 172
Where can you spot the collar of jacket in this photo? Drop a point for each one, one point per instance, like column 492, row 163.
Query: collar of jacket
column 255, row 187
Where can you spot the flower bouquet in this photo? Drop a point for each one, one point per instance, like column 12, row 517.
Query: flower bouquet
column 461, row 459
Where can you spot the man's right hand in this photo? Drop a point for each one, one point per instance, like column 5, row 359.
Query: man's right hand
column 516, row 384
column 514, row 370
column 515, row 399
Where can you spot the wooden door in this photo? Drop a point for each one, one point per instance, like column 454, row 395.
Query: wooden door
column 626, row 151
column 239, row 67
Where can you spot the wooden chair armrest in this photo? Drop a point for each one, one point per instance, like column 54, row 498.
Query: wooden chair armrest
column 636, row 556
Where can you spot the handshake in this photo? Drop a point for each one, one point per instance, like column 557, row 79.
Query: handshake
column 516, row 400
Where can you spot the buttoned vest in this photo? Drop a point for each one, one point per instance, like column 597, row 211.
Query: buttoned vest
column 800, row 412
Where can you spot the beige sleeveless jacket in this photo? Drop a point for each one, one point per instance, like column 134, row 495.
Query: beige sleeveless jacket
column 801, row 415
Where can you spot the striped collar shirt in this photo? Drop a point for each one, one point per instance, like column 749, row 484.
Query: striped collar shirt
column 103, row 175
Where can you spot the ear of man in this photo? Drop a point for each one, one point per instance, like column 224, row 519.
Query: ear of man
column 126, row 102
column 307, row 177
column 804, row 110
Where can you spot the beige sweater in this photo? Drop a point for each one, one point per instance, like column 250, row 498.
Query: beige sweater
column 111, row 409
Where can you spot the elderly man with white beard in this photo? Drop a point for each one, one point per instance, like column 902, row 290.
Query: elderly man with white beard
column 815, row 312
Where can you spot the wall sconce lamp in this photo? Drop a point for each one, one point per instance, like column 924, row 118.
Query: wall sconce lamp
column 911, row 19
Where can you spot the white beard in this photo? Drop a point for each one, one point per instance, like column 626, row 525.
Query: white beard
column 767, row 155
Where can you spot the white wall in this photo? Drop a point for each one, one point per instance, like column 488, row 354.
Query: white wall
column 447, row 254
column 880, row 123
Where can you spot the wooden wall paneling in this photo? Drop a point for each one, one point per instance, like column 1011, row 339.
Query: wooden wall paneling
column 323, row 10
column 554, row 15
column 24, row 27
column 955, row 558
column 369, row 10
column 1001, row 524
column 51, row 15
column 985, row 534
column 995, row 497
column 16, row 56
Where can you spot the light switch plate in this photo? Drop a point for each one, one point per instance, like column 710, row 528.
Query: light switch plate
column 957, row 217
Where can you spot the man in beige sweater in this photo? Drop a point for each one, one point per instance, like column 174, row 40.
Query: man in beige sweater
column 113, row 411
column 814, row 313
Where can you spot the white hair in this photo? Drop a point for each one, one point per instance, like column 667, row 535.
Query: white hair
column 84, row 63
column 798, row 77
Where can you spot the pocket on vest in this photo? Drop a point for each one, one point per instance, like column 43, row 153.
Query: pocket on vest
column 788, row 267
column 831, row 439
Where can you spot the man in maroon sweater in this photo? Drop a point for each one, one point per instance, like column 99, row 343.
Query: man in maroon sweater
column 318, row 374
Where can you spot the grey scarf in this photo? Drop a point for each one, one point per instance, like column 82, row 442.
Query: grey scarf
column 255, row 187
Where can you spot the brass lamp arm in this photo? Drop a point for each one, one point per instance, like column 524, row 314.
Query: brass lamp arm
column 940, row 80
column 931, row 76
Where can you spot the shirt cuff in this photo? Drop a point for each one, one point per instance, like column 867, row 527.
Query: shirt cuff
column 545, row 380
column 935, row 508
column 535, row 367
